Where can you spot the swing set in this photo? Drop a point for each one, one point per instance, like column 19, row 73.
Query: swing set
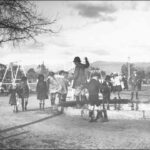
column 14, row 72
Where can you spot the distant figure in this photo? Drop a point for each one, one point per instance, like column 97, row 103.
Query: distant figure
column 42, row 91
column 133, row 82
column 125, row 82
column 24, row 92
column 139, row 84
column 79, row 77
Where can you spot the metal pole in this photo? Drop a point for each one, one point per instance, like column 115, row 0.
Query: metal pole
column 128, row 69
column 5, row 73
column 16, row 73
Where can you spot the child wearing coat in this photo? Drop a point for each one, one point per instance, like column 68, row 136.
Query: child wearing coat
column 23, row 91
column 106, row 91
column 13, row 97
column 64, row 83
column 42, row 91
column 94, row 87
column 53, row 87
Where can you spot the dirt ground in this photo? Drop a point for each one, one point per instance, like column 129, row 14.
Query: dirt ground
column 49, row 130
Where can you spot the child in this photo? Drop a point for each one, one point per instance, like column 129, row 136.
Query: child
column 53, row 87
column 117, row 88
column 63, row 82
column 13, row 97
column 42, row 91
column 94, row 87
column 24, row 93
column 106, row 90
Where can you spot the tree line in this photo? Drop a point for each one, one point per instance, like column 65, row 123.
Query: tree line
column 32, row 73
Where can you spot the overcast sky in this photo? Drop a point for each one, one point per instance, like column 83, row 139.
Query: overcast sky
column 99, row 30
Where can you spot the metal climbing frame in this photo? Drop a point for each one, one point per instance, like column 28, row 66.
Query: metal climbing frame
column 13, row 73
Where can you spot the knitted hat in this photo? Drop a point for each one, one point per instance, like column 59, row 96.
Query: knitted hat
column 95, row 74
column 77, row 59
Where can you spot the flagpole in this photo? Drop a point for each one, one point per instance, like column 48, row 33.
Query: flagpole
column 128, row 69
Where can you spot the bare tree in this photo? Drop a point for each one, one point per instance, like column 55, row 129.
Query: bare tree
column 19, row 21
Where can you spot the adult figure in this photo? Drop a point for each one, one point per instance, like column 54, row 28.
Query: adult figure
column 79, row 78
column 133, row 82
column 125, row 82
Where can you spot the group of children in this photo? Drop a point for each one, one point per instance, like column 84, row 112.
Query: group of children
column 19, row 92
column 96, row 87
column 54, row 87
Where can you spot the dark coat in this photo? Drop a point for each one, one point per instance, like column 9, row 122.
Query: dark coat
column 106, row 87
column 79, row 74
column 93, row 87
column 42, row 90
column 23, row 90
column 133, row 82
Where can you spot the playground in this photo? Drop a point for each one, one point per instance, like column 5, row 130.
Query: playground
column 51, row 129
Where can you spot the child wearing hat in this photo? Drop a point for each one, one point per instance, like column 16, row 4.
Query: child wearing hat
column 79, row 78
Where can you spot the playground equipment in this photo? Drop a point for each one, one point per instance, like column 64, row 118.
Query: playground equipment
column 13, row 75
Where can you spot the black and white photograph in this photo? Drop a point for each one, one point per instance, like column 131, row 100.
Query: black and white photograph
column 74, row 74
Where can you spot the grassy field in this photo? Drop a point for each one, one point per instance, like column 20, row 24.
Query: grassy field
column 46, row 129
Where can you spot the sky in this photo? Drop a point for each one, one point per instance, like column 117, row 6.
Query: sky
column 99, row 30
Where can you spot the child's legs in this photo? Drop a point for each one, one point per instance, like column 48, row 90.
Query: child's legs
column 40, row 104
column 22, row 102
column 63, row 97
column 14, row 108
column 17, row 103
column 43, row 103
column 132, row 96
column 78, row 94
column 105, row 114
column 59, row 98
column 108, row 99
column 137, row 98
column 53, row 95
column 26, row 101
column 104, row 101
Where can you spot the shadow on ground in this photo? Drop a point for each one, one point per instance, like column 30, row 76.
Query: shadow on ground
column 30, row 123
